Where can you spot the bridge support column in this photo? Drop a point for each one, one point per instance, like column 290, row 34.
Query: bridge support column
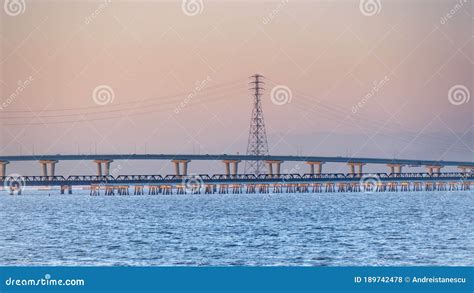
column 395, row 168
column 277, row 165
column 45, row 169
column 185, row 167
column 318, row 169
column 107, row 167
column 52, row 167
column 103, row 171
column 3, row 168
column 352, row 168
column 235, row 166
column 99, row 169
column 434, row 169
column 270, row 168
column 176, row 168
column 227, row 167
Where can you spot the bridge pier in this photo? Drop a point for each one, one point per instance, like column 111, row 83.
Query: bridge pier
column 185, row 167
column 106, row 165
column 3, row 168
column 94, row 190
column 352, row 169
column 395, row 168
column 235, row 166
column 52, row 165
column 65, row 188
column 270, row 167
column 434, row 169
column 319, row 167
column 15, row 189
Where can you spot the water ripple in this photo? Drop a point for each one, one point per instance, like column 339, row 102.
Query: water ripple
column 233, row 230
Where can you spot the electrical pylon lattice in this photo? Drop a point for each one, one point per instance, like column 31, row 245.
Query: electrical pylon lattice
column 257, row 143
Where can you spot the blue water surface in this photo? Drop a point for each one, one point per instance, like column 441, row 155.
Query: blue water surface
column 357, row 229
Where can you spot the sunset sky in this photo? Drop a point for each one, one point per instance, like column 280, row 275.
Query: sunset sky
column 178, row 81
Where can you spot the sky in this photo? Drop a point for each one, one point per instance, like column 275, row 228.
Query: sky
column 367, row 78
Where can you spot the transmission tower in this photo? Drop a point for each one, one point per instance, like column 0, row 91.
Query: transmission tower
column 257, row 143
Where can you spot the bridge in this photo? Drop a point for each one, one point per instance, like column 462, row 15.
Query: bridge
column 231, row 162
column 247, row 183
column 257, row 157
column 273, row 181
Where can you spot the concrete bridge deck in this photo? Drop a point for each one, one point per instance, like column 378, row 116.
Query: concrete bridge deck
column 231, row 162
column 217, row 157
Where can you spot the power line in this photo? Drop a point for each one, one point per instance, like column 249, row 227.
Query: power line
column 162, row 108
column 176, row 95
